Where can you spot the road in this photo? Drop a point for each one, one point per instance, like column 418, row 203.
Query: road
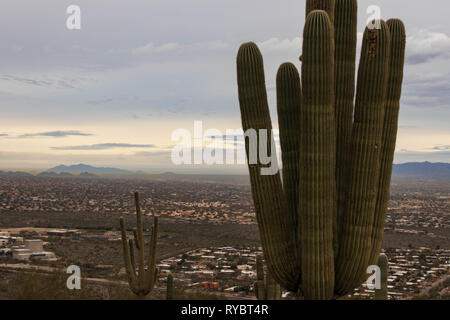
column 22, row 266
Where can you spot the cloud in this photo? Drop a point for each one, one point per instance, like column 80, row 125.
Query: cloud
column 56, row 134
column 100, row 101
column 427, row 89
column 173, row 47
column 46, row 80
column 151, row 48
column 104, row 146
column 153, row 153
column 239, row 137
column 424, row 46
column 41, row 83
column 3, row 135
column 441, row 148
column 276, row 45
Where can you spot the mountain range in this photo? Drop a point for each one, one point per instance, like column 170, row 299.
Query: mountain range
column 413, row 170
column 434, row 170
column 409, row 169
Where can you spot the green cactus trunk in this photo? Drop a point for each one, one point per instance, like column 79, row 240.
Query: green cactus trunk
column 317, row 158
column 345, row 29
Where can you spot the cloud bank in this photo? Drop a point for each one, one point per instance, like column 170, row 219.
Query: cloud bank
column 104, row 146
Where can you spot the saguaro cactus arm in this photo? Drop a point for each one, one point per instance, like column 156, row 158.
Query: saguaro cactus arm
column 289, row 101
column 152, row 271
column 259, row 286
column 363, row 175
column 128, row 258
column 132, row 254
column 277, row 236
column 345, row 31
column 390, row 126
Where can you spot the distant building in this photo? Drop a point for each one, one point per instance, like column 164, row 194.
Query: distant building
column 210, row 285
column 34, row 245
column 21, row 254
column 32, row 249
column 63, row 233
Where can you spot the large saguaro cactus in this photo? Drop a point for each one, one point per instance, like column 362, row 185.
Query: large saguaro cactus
column 143, row 280
column 321, row 225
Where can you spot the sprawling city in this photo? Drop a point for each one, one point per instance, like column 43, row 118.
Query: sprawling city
column 208, row 238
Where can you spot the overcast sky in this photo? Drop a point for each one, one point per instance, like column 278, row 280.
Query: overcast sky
column 113, row 92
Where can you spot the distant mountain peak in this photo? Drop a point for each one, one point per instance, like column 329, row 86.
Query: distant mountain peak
column 426, row 169
column 86, row 168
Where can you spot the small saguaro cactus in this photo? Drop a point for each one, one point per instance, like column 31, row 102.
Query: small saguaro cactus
column 169, row 290
column 266, row 288
column 321, row 223
column 143, row 279
column 383, row 263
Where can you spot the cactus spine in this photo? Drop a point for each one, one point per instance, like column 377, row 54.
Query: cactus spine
column 143, row 280
column 169, row 290
column 323, row 226
column 266, row 288
column 383, row 263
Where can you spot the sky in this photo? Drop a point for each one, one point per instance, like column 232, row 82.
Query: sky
column 113, row 92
